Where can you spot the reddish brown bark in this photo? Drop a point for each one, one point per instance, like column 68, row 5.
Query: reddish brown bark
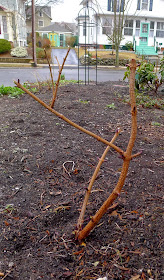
column 126, row 160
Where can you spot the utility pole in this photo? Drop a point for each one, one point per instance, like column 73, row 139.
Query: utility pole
column 33, row 35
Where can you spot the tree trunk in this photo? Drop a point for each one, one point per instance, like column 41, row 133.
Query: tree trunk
column 117, row 56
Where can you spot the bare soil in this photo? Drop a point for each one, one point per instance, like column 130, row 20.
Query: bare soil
column 45, row 167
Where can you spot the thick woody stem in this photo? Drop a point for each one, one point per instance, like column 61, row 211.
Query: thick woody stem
column 58, row 80
column 95, row 219
column 83, row 209
column 121, row 152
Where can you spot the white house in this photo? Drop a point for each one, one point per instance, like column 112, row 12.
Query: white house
column 143, row 23
column 12, row 21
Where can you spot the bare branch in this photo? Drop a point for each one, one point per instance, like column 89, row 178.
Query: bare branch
column 95, row 219
column 121, row 152
column 58, row 80
column 53, row 89
column 83, row 209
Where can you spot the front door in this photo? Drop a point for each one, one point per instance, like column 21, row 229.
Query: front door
column 144, row 34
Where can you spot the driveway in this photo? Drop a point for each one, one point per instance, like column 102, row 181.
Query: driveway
column 61, row 53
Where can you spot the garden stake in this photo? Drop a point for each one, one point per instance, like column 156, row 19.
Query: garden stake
column 126, row 160
column 101, row 160
column 58, row 80
column 70, row 122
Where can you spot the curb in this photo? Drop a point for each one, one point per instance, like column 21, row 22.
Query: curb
column 27, row 65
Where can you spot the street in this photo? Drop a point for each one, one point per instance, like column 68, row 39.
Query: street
column 8, row 75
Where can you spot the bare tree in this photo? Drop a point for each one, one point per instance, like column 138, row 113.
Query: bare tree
column 119, row 11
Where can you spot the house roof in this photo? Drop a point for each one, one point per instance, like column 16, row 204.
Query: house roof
column 57, row 27
column 45, row 9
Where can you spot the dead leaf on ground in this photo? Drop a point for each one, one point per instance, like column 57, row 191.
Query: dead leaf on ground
column 136, row 277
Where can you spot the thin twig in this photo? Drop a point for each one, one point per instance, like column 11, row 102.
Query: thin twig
column 53, row 89
column 7, row 274
column 57, row 62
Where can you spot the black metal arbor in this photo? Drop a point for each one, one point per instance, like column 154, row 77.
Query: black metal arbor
column 87, row 26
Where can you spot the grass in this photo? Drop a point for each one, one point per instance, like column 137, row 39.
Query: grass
column 107, row 54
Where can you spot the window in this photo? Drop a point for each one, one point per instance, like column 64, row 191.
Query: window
column 91, row 29
column 40, row 14
column 151, row 33
column 144, row 28
column 98, row 25
column 143, row 39
column 128, row 27
column 4, row 22
column 138, row 4
column 107, row 26
column 84, row 28
column 160, row 29
column 151, row 5
column 145, row 5
column 137, row 33
column 41, row 23
column 109, row 5
column 119, row 5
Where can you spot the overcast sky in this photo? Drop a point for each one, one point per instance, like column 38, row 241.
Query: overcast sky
column 67, row 11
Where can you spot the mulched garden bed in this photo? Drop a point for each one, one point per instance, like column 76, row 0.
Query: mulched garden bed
column 46, row 166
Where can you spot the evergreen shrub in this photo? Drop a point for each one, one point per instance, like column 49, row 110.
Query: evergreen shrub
column 5, row 46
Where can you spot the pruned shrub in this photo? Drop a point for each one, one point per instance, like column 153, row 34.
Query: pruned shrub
column 45, row 43
column 129, row 45
column 41, row 54
column 71, row 41
column 41, row 42
column 5, row 46
column 19, row 52
column 146, row 77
